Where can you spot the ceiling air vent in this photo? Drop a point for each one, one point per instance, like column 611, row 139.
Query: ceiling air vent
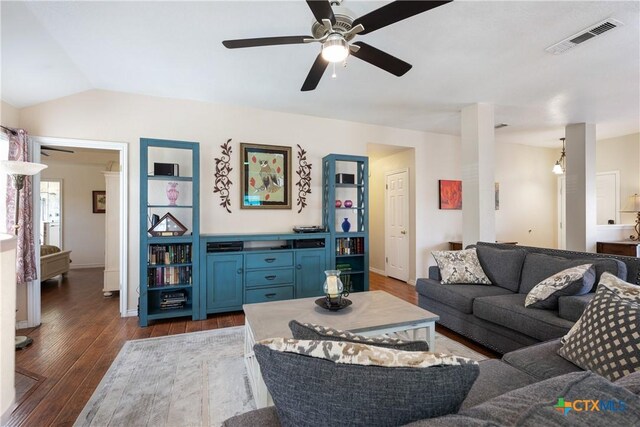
column 584, row 35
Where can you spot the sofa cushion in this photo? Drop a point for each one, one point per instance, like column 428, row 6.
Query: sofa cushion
column 502, row 266
column 495, row 378
column 509, row 311
column 571, row 307
column 549, row 403
column 459, row 297
column 538, row 267
column 460, row 267
column 631, row 382
column 608, row 338
column 264, row 417
column 541, row 361
column 309, row 331
column 360, row 384
column 576, row 280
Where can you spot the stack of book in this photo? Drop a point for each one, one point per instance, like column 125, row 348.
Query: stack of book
column 173, row 300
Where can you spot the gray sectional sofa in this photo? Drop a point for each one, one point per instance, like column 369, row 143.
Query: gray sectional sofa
column 521, row 389
column 495, row 316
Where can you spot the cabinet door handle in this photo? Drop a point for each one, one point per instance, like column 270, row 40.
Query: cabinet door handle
column 299, row 266
column 273, row 276
column 271, row 295
column 269, row 260
column 239, row 271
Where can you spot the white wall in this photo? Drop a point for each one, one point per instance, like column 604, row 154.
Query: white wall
column 9, row 115
column 111, row 116
column 83, row 231
column 7, row 324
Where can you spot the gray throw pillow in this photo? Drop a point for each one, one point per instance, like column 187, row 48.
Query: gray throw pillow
column 321, row 383
column 309, row 331
column 607, row 340
column 460, row 267
column 572, row 281
column 502, row 266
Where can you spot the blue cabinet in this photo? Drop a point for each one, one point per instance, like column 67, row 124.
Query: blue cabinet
column 346, row 198
column 169, row 257
column 252, row 268
column 310, row 267
column 224, row 274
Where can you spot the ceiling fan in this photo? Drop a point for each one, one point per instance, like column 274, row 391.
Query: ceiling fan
column 336, row 26
column 44, row 148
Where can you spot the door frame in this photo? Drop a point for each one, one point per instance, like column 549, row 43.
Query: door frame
column 386, row 218
column 34, row 303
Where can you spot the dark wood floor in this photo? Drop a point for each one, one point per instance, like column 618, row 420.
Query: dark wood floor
column 81, row 334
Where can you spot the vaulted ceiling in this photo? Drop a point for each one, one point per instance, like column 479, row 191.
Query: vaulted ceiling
column 462, row 53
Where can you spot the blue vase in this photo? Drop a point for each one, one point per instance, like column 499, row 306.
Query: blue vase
column 346, row 225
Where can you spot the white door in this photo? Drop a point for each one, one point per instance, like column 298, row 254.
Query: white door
column 562, row 212
column 608, row 197
column 397, row 225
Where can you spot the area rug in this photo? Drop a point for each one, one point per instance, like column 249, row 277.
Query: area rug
column 195, row 379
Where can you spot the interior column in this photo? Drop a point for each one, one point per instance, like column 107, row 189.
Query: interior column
column 478, row 163
column 581, row 227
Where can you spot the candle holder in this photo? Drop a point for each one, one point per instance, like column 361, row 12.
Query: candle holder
column 333, row 287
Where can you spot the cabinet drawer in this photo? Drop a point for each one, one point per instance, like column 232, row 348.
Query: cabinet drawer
column 268, row 277
column 270, row 259
column 268, row 294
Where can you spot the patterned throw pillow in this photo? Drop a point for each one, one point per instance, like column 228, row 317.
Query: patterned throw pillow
column 309, row 331
column 460, row 267
column 319, row 383
column 572, row 281
column 607, row 341
column 617, row 285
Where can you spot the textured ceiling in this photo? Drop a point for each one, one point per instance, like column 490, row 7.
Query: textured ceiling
column 462, row 53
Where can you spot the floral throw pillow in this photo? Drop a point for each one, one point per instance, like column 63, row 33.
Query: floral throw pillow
column 460, row 267
column 576, row 280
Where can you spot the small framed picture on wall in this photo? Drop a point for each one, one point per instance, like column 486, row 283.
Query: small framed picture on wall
column 99, row 201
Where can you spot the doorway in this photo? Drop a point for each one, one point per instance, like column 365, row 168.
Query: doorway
column 51, row 203
column 34, row 308
column 397, row 224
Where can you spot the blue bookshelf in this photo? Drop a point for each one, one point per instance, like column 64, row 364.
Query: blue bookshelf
column 349, row 250
column 169, row 267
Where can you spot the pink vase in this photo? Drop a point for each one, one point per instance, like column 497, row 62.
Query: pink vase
column 172, row 193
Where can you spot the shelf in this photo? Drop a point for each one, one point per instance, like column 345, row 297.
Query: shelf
column 169, row 288
column 350, row 272
column 343, row 235
column 184, row 264
column 167, row 314
column 351, row 208
column 170, row 239
column 169, row 178
column 349, row 185
column 348, row 255
column 170, row 206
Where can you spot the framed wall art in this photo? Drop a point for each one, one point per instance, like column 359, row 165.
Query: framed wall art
column 450, row 193
column 99, row 201
column 265, row 176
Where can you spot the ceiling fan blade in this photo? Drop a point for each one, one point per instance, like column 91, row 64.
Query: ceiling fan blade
column 45, row 147
column 380, row 59
column 315, row 74
column 322, row 10
column 394, row 12
column 265, row 41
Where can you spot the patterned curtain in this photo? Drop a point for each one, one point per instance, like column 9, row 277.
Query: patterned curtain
column 26, row 257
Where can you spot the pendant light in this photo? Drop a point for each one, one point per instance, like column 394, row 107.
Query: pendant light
column 559, row 167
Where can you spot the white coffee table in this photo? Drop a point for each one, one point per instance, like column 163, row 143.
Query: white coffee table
column 372, row 313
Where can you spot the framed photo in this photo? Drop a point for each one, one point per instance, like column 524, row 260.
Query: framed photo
column 265, row 176
column 99, row 201
column 450, row 194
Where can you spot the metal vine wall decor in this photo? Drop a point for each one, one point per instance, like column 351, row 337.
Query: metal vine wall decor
column 223, row 168
column 304, row 173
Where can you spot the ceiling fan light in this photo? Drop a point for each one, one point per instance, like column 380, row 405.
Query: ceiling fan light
column 335, row 48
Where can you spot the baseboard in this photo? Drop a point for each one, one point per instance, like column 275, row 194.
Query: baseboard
column 131, row 313
column 412, row 282
column 22, row 324
column 377, row 271
column 81, row 266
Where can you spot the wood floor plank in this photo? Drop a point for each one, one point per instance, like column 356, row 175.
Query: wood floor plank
column 82, row 334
